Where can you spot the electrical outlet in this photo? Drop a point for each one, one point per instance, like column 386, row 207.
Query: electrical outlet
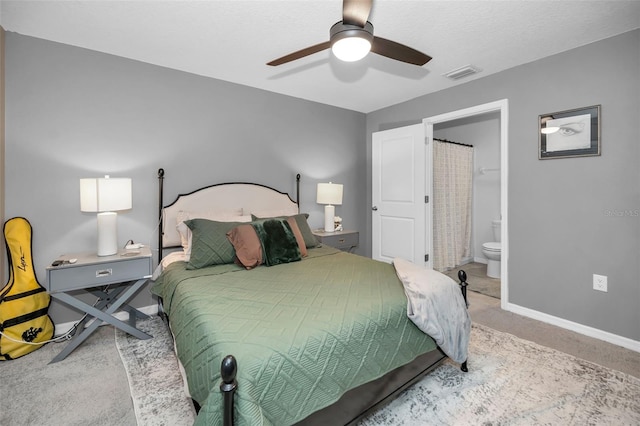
column 600, row 282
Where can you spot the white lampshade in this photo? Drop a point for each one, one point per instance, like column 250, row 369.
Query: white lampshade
column 331, row 195
column 105, row 196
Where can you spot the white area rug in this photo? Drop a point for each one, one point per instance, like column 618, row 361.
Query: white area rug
column 510, row 382
column 516, row 382
column 157, row 388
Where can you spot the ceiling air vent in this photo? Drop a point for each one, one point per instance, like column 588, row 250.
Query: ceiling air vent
column 461, row 72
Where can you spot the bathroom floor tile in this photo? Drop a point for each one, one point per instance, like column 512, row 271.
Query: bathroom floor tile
column 477, row 279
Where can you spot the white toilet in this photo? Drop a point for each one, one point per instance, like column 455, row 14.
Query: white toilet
column 492, row 250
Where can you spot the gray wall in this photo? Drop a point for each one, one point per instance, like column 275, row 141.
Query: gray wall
column 567, row 217
column 73, row 113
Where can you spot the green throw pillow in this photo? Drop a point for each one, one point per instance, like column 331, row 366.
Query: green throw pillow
column 279, row 244
column 209, row 243
column 310, row 240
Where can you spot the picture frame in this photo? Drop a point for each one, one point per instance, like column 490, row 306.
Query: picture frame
column 569, row 133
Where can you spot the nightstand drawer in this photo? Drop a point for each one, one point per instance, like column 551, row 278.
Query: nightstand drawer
column 72, row 277
column 340, row 240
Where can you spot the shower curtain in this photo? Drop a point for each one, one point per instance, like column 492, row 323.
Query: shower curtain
column 452, row 190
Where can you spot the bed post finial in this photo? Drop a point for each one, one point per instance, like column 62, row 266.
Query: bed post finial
column 160, row 205
column 298, row 191
column 462, row 276
column 228, row 371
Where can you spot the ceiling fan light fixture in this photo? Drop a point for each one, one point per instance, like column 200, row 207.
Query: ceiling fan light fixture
column 351, row 43
column 352, row 39
column 351, row 49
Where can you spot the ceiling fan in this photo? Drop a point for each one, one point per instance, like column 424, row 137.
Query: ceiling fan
column 352, row 38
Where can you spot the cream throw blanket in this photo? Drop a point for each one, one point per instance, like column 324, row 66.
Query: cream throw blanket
column 435, row 304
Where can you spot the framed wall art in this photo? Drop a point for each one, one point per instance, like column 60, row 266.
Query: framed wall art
column 571, row 133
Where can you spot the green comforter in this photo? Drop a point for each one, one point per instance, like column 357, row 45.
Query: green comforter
column 303, row 333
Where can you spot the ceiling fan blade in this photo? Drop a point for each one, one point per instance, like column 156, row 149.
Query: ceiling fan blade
column 300, row 54
column 356, row 12
column 398, row 51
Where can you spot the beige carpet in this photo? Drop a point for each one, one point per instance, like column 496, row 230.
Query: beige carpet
column 89, row 387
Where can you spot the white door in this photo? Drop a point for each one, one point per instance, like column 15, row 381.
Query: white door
column 401, row 216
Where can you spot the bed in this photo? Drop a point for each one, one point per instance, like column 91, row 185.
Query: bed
column 298, row 333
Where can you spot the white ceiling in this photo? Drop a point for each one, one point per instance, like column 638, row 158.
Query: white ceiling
column 232, row 40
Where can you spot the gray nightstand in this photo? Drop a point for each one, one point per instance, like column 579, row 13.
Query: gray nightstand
column 113, row 279
column 343, row 240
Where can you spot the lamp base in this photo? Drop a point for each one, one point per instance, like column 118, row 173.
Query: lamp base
column 329, row 214
column 107, row 233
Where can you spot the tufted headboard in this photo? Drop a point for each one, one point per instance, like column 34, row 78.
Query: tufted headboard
column 241, row 198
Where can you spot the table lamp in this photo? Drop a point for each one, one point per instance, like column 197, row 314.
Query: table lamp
column 329, row 194
column 105, row 196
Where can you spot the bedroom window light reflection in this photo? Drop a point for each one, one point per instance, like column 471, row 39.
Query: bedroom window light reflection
column 329, row 194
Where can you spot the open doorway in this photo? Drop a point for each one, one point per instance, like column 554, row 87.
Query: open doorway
column 495, row 172
column 472, row 244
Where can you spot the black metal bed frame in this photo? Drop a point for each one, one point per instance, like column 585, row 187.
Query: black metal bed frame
column 229, row 365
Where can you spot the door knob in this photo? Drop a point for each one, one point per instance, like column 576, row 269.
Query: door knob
column 374, row 208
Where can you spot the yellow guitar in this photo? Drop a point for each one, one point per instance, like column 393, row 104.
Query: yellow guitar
column 24, row 322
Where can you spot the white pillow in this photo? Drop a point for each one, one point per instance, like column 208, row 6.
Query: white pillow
column 166, row 261
column 264, row 214
column 217, row 215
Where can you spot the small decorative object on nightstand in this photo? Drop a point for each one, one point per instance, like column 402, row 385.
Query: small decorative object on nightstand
column 113, row 279
column 343, row 240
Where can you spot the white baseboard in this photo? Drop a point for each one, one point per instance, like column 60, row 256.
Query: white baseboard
column 480, row 260
column 64, row 327
column 625, row 342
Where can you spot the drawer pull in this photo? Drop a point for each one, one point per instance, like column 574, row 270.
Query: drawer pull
column 104, row 273
column 341, row 240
